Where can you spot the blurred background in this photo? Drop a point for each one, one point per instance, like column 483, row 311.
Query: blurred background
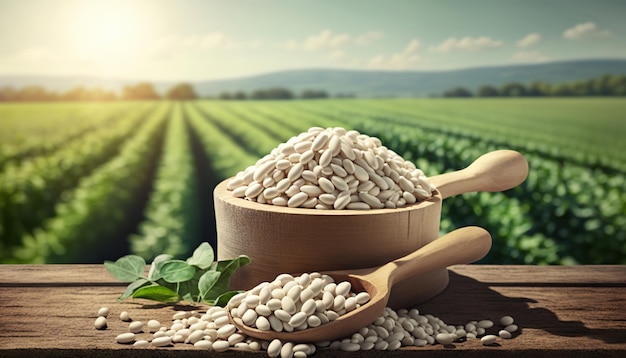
column 118, row 118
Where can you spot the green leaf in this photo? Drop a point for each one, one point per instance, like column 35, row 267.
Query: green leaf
column 127, row 268
column 171, row 286
column 174, row 271
column 157, row 293
column 207, row 281
column 188, row 296
column 202, row 257
column 189, row 289
column 227, row 268
column 222, row 300
column 133, row 287
column 157, row 263
column 199, row 279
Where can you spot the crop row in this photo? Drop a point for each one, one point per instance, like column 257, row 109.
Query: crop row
column 563, row 213
column 257, row 140
column 35, row 130
column 149, row 191
column 588, row 134
column 569, row 210
column 171, row 220
column 225, row 155
column 29, row 190
column 89, row 219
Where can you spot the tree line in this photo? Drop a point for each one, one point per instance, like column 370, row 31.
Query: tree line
column 273, row 93
column 143, row 90
column 607, row 85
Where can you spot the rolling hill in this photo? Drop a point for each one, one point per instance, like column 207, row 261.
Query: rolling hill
column 360, row 83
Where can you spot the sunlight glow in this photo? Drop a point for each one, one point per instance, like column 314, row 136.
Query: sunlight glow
column 106, row 35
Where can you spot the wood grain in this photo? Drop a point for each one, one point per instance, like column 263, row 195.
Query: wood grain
column 48, row 311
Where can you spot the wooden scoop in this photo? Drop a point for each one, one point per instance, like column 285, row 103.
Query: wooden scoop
column 491, row 172
column 461, row 246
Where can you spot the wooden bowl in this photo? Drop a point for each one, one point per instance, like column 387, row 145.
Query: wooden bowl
column 295, row 240
column 292, row 240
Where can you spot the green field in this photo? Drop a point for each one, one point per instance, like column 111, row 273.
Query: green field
column 84, row 182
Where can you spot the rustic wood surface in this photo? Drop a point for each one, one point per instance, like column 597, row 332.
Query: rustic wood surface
column 49, row 311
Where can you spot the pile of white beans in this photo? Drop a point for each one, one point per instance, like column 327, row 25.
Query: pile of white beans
column 332, row 168
column 295, row 303
column 212, row 330
column 308, row 300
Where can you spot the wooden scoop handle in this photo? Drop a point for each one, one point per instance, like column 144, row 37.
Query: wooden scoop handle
column 462, row 246
column 495, row 171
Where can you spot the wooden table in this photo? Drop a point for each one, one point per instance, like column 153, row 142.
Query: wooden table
column 49, row 311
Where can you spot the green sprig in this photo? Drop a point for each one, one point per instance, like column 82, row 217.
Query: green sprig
column 198, row 279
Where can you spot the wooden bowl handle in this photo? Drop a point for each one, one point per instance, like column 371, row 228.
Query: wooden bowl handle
column 495, row 171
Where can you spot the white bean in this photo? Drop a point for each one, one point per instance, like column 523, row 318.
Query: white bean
column 362, row 298
column 274, row 348
column 124, row 316
column 262, row 323
column 104, row 312
column 221, row 346
column 445, row 338
column 249, row 317
column 226, row 330
column 180, row 315
column 282, row 315
column 275, row 323
column 195, row 336
column 235, row 338
column 125, row 338
column 100, row 323
column 286, row 350
column 297, row 200
column 135, row 327
column 203, row 344
column 485, row 324
column 334, row 145
column 506, row 320
column 488, row 339
column 298, row 319
column 309, row 307
column 288, row 305
column 343, row 288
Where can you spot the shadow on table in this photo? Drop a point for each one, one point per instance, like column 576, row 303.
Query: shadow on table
column 457, row 305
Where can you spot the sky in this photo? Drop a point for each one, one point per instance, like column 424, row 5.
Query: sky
column 193, row 40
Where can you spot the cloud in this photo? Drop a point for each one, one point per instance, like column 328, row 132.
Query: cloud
column 529, row 57
column 413, row 46
column 327, row 40
column 466, row 44
column 585, row 30
column 407, row 58
column 368, row 37
column 529, row 40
